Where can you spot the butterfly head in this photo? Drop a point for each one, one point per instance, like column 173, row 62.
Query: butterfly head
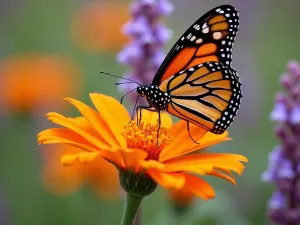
column 141, row 90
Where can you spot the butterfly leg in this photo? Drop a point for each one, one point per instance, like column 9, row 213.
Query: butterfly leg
column 132, row 115
column 159, row 123
column 139, row 112
column 188, row 128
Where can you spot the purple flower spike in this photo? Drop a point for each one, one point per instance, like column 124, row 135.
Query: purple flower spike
column 277, row 201
column 279, row 112
column 284, row 165
column 295, row 115
column 148, row 36
column 294, row 69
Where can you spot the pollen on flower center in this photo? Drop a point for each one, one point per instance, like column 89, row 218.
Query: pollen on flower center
column 145, row 137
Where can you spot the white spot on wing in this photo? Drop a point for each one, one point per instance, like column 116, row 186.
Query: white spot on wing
column 193, row 38
column 199, row 40
column 217, row 35
column 205, row 30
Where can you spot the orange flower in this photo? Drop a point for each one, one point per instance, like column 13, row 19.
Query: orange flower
column 181, row 198
column 134, row 150
column 97, row 26
column 33, row 80
column 62, row 180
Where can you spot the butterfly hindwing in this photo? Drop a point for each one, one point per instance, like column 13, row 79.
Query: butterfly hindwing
column 207, row 95
column 209, row 39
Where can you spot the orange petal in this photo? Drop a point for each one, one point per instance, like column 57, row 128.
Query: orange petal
column 68, row 123
column 81, row 121
column 111, row 110
column 124, row 158
column 198, row 158
column 198, row 187
column 186, row 145
column 66, row 136
column 116, row 157
column 181, row 139
column 83, row 157
column 85, row 125
column 98, row 123
column 151, row 164
column 69, row 159
column 131, row 159
column 167, row 180
column 149, row 117
column 206, row 162
column 86, row 157
column 226, row 175
column 207, row 140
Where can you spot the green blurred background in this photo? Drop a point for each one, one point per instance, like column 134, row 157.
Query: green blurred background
column 268, row 38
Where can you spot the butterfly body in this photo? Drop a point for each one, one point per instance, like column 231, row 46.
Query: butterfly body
column 155, row 97
column 196, row 82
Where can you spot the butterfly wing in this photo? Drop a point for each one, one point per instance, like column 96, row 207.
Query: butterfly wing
column 209, row 39
column 207, row 95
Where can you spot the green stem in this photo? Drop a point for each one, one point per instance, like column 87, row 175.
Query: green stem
column 137, row 220
column 131, row 207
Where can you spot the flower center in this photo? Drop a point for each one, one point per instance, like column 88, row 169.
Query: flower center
column 146, row 137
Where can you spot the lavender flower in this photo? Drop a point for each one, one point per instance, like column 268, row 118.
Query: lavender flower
column 284, row 167
column 145, row 52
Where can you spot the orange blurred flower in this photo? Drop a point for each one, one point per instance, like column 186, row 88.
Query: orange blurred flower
column 62, row 180
column 180, row 198
column 134, row 151
column 97, row 26
column 34, row 80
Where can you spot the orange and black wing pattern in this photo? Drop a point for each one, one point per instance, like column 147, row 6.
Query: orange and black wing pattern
column 209, row 39
column 207, row 95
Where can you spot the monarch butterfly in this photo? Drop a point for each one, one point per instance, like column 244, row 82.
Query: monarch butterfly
column 196, row 82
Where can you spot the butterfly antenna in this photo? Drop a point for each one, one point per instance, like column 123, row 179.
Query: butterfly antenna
column 127, row 82
column 126, row 95
column 133, row 81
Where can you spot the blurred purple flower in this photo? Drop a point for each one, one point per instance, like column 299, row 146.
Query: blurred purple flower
column 145, row 52
column 277, row 200
column 284, row 167
column 279, row 113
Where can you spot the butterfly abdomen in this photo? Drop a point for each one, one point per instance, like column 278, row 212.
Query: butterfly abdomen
column 156, row 97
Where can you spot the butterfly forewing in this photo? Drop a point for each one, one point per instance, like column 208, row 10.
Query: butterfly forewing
column 207, row 95
column 209, row 39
